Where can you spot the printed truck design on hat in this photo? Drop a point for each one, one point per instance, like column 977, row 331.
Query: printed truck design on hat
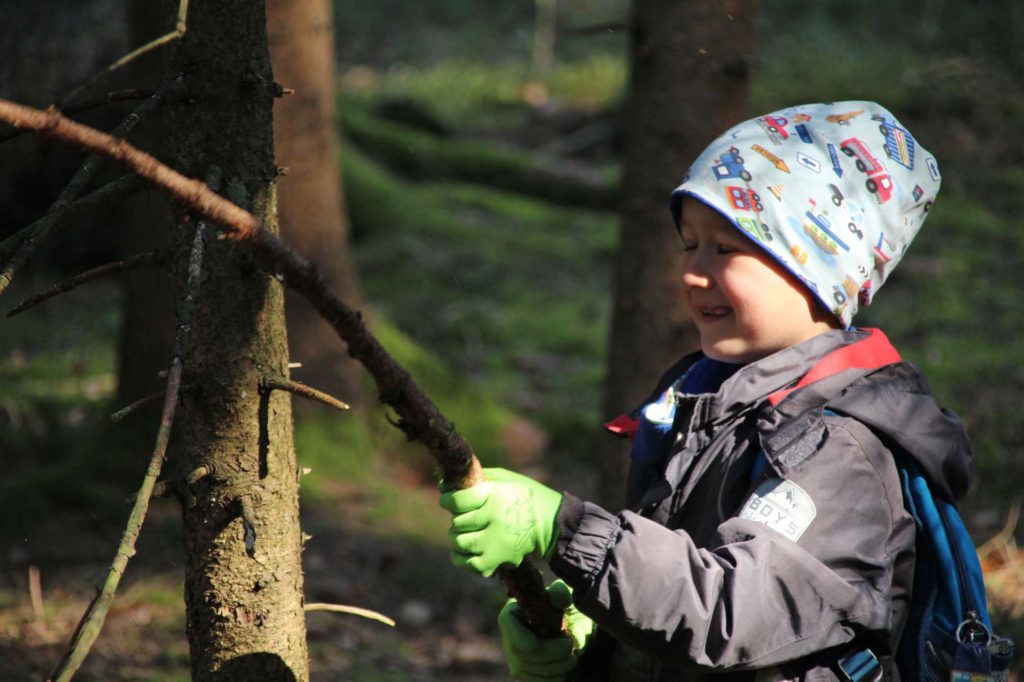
column 899, row 145
column 730, row 165
column 848, row 289
column 744, row 199
column 775, row 126
column 758, row 229
column 878, row 183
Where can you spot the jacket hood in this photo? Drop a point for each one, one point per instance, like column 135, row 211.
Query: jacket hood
column 895, row 402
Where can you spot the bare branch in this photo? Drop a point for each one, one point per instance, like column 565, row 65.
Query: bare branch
column 131, row 263
column 87, row 104
column 180, row 26
column 180, row 486
column 421, row 419
column 97, row 612
column 300, row 389
column 198, row 474
column 77, row 631
column 130, row 409
column 75, row 187
column 354, row 610
column 124, row 186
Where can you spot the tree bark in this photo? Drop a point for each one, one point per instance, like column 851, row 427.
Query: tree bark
column 690, row 75
column 243, row 583
column 310, row 199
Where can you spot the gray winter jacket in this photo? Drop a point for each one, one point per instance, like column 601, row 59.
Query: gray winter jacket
column 710, row 572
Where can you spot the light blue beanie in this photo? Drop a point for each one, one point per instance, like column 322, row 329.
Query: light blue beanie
column 834, row 192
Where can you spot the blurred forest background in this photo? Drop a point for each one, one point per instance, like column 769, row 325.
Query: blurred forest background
column 492, row 288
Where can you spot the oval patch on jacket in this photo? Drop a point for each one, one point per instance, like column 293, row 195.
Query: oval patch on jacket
column 782, row 506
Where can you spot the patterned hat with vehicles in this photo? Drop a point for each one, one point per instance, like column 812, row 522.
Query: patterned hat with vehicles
column 834, row 192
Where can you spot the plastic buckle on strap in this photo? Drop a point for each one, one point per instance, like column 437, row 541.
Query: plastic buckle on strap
column 860, row 666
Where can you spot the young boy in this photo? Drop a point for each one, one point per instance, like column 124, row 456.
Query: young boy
column 765, row 535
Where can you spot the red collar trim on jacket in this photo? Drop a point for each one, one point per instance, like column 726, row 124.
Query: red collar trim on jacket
column 871, row 352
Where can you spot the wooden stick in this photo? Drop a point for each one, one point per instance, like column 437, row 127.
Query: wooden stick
column 420, row 418
column 180, row 26
column 354, row 610
column 137, row 405
column 92, row 622
column 300, row 389
column 130, row 263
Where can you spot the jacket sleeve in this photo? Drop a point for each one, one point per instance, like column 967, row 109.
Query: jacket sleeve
column 764, row 591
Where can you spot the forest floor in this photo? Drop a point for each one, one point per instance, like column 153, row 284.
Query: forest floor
column 445, row 618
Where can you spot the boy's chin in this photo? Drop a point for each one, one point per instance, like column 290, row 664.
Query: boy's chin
column 733, row 351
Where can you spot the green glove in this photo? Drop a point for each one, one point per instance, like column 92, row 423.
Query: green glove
column 500, row 521
column 531, row 659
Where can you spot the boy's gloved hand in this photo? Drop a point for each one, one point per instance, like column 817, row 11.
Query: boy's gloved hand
column 500, row 521
column 531, row 659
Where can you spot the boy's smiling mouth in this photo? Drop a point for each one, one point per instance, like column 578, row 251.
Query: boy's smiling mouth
column 711, row 313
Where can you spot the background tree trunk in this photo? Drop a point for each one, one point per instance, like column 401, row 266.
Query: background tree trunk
column 310, row 200
column 690, row 75
column 243, row 601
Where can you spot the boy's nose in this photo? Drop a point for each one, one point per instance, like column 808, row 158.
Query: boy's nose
column 695, row 274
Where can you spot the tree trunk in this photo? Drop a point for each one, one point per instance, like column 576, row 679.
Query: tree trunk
column 243, row 583
column 310, row 200
column 690, row 79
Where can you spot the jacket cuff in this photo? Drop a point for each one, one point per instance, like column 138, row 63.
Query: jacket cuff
column 586, row 532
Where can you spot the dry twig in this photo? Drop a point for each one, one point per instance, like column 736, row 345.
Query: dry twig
column 300, row 389
column 354, row 610
column 130, row 409
column 130, row 263
column 92, row 622
column 180, row 26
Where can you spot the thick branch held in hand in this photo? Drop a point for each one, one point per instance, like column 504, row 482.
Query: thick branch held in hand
column 421, row 419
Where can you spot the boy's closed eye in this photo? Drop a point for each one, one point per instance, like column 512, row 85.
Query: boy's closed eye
column 721, row 247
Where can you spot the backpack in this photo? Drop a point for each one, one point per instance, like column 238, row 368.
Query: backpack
column 948, row 634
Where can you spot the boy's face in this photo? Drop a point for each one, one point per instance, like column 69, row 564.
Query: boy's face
column 745, row 305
